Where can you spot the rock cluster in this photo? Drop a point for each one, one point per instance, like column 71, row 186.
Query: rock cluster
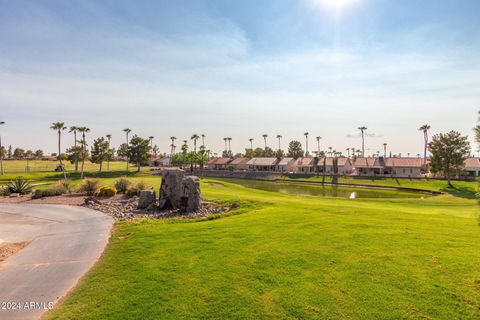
column 178, row 192
column 146, row 199
column 120, row 209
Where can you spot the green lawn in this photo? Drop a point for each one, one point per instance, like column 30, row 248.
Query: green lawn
column 291, row 257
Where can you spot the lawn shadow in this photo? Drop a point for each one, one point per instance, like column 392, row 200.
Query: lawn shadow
column 461, row 192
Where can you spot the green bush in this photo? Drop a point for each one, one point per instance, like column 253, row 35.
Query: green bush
column 19, row 185
column 66, row 185
column 90, row 187
column 122, row 184
column 50, row 192
column 107, row 191
column 142, row 185
column 133, row 191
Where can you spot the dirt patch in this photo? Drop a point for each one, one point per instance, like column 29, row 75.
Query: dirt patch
column 9, row 249
column 67, row 199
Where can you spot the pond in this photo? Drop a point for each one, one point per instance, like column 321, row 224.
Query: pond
column 324, row 191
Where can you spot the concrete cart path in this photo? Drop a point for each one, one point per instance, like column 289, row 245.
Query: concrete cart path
column 65, row 243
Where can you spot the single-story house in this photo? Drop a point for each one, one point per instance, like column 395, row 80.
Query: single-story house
column 369, row 166
column 472, row 166
column 160, row 162
column 305, row 165
column 285, row 165
column 218, row 163
column 404, row 167
column 239, row 163
column 262, row 164
column 345, row 165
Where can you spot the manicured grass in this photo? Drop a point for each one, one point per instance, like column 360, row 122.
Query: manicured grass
column 20, row 166
column 290, row 257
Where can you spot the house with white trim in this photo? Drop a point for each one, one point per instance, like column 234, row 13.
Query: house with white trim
column 472, row 167
column 285, row 165
column 405, row 167
column 262, row 164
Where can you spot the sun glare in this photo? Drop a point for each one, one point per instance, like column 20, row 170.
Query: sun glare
column 336, row 3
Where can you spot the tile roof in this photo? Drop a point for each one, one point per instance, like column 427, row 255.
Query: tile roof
column 303, row 162
column 342, row 161
column 239, row 160
column 219, row 161
column 367, row 163
column 285, row 161
column 472, row 163
column 262, row 162
column 404, row 162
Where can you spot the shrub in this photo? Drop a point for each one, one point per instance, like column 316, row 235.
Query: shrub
column 50, row 192
column 142, row 185
column 90, row 187
column 122, row 184
column 107, row 191
column 66, row 185
column 133, row 191
column 19, row 185
column 4, row 191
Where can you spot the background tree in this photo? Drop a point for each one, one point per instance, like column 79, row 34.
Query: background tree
column 448, row 153
column 268, row 152
column 111, row 151
column 127, row 132
column 83, row 144
column 18, row 153
column 279, row 137
column 75, row 154
column 295, row 149
column 258, row 152
column 138, row 151
column 123, row 150
column 155, row 150
column 195, row 137
column 306, row 143
column 59, row 127
column 265, row 136
column 99, row 152
column 38, row 154
column 425, row 129
column 249, row 153
column 173, row 145
column 362, row 133
column 279, row 154
column 74, row 129
column 10, row 152
column 202, row 157
column 477, row 132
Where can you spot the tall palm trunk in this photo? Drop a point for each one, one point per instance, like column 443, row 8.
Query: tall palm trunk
column 59, row 154
column 75, row 145
column 425, row 137
column 127, row 153
column 363, row 144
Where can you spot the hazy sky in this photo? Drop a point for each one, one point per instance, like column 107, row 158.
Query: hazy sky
column 240, row 69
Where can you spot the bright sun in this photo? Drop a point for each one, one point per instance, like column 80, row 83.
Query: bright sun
column 337, row 3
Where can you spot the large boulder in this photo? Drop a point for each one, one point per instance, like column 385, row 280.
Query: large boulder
column 191, row 197
column 146, row 198
column 171, row 189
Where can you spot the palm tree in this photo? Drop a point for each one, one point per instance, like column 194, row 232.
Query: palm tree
column 151, row 141
column 362, row 131
column 348, row 152
column 74, row 130
column 225, row 140
column 306, row 143
column 203, row 140
column 330, row 151
column 195, row 137
column 385, row 150
column 318, row 144
column 59, row 127
column 127, row 131
column 1, row 153
column 109, row 137
column 251, row 143
column 229, row 145
column 265, row 136
column 173, row 145
column 279, row 137
column 83, row 142
column 425, row 129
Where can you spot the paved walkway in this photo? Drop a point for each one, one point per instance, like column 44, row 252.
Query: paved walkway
column 65, row 243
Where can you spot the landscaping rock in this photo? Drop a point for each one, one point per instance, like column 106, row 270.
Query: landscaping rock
column 191, row 198
column 146, row 199
column 171, row 189
column 14, row 195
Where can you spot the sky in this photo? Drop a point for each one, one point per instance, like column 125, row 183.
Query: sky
column 240, row 69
